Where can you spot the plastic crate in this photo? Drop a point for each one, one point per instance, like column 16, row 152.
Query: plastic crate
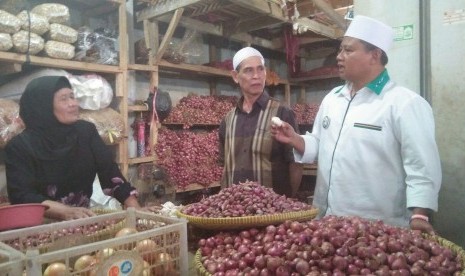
column 65, row 242
column 11, row 261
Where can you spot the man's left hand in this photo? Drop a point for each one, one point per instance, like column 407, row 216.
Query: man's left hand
column 422, row 225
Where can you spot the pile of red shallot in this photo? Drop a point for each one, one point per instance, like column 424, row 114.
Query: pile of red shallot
column 189, row 157
column 305, row 113
column 329, row 246
column 244, row 199
column 201, row 110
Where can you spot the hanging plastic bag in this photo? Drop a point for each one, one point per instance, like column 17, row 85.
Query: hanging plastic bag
column 92, row 91
column 162, row 103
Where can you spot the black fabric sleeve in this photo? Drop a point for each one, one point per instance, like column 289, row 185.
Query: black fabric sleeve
column 110, row 176
column 20, row 171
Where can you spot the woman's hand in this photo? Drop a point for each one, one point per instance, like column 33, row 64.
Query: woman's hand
column 131, row 201
column 70, row 213
column 61, row 211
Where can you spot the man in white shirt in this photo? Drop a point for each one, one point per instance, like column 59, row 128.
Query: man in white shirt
column 374, row 140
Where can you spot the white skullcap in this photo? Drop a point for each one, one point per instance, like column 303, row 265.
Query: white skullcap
column 372, row 31
column 246, row 53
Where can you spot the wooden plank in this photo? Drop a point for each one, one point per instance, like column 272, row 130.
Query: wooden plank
column 217, row 30
column 251, row 24
column 331, row 13
column 162, row 8
column 308, row 8
column 123, row 38
column 59, row 63
column 200, row 69
column 196, row 25
column 143, row 67
column 138, row 160
column 168, row 34
column 318, row 28
column 303, row 94
column 152, row 41
column 310, row 169
column 270, row 9
column 122, row 92
column 208, row 8
column 10, row 68
column 312, row 78
column 309, row 40
column 137, row 108
column 196, row 187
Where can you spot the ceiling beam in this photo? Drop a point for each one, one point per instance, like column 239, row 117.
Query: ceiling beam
column 331, row 13
column 306, row 24
column 251, row 24
column 169, row 34
column 271, row 9
column 163, row 7
column 217, row 30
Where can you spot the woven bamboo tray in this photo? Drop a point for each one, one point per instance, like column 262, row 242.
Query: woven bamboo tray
column 448, row 244
column 236, row 223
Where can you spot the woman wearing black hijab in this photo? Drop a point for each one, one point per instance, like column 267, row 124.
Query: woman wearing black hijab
column 55, row 159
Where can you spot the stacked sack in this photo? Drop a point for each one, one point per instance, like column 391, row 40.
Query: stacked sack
column 42, row 28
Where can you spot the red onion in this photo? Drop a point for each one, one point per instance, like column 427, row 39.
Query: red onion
column 263, row 201
column 288, row 253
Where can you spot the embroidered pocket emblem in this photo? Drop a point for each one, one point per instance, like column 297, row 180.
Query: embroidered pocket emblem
column 326, row 122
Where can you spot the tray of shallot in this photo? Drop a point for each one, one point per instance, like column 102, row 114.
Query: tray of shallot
column 328, row 246
column 245, row 205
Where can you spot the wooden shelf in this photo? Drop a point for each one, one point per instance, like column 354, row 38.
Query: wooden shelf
column 310, row 169
column 196, row 187
column 143, row 67
column 312, row 78
column 138, row 160
column 193, row 68
column 194, row 125
column 137, row 108
column 59, row 63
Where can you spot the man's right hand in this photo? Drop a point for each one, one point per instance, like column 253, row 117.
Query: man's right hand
column 283, row 133
column 286, row 134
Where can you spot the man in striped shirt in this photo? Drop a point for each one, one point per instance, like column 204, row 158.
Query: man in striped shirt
column 247, row 148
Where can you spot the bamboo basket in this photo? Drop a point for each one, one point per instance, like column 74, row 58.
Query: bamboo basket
column 236, row 223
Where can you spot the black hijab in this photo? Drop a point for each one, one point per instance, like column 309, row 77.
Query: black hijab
column 47, row 137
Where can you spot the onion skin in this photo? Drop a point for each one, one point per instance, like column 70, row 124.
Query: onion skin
column 84, row 262
column 56, row 269
column 125, row 231
column 146, row 249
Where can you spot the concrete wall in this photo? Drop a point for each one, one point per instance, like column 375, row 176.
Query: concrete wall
column 448, row 82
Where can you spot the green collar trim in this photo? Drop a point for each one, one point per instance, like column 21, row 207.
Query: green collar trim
column 378, row 84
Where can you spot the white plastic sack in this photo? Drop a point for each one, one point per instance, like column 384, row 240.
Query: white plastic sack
column 92, row 91
column 99, row 200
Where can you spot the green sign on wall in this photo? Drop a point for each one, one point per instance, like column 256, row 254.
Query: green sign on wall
column 403, row 32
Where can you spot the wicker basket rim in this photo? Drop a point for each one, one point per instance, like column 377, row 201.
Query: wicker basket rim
column 308, row 211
